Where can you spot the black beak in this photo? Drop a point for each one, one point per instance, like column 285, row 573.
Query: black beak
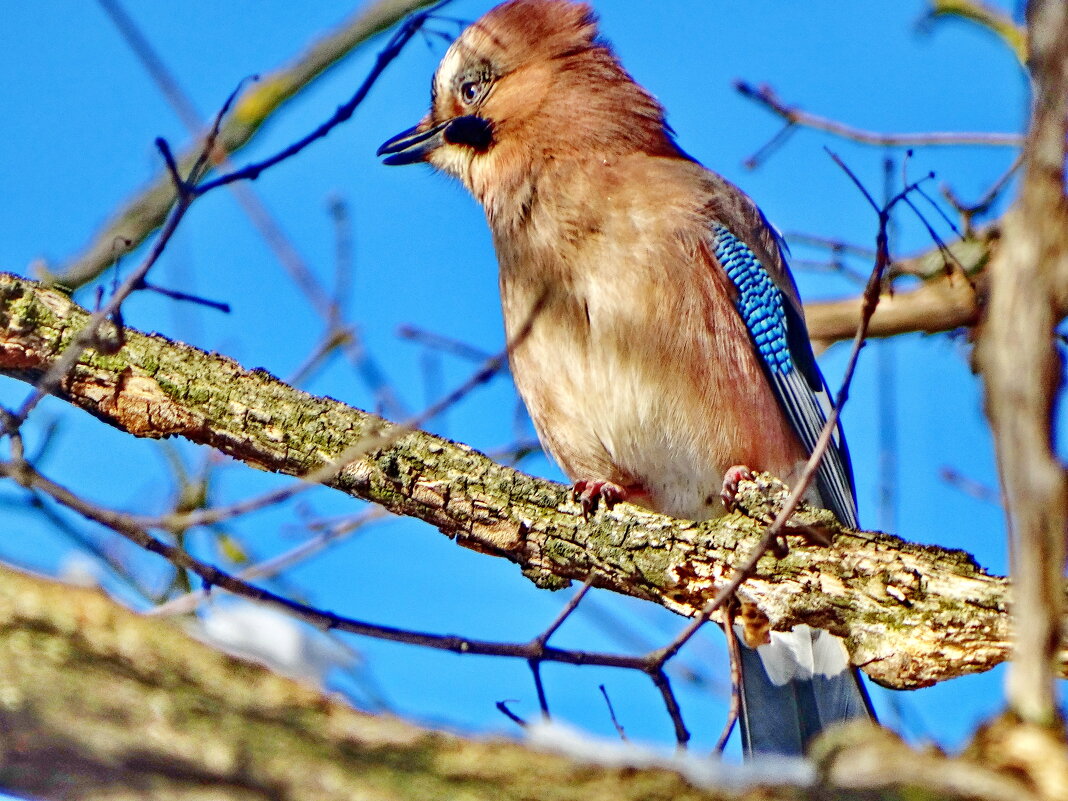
column 413, row 146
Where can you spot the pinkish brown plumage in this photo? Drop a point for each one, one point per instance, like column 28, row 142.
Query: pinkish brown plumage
column 668, row 345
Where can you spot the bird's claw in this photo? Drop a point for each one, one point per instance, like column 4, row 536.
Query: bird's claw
column 589, row 494
column 731, row 479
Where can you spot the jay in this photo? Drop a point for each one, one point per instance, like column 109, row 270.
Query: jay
column 668, row 353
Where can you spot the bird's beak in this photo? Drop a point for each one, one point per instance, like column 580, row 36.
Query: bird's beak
column 417, row 143
column 413, row 145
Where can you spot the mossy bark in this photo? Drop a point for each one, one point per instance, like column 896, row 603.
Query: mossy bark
column 912, row 615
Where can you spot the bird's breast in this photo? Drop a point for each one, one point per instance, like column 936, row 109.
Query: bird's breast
column 631, row 359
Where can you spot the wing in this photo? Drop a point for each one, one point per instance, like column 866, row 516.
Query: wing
column 767, row 303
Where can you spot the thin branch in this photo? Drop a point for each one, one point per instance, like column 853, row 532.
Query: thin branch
column 407, row 29
column 734, row 659
column 986, row 16
column 344, row 265
column 147, row 211
column 671, row 704
column 276, row 564
column 612, row 713
column 175, row 294
column 538, row 644
column 969, row 486
column 765, row 96
column 442, row 343
column 539, row 687
column 970, row 211
column 565, row 613
column 502, row 707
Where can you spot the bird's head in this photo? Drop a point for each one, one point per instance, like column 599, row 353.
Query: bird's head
column 528, row 83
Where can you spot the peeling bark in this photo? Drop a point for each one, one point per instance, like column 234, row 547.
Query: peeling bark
column 912, row 615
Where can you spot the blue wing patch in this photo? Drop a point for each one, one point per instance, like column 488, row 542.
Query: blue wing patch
column 778, row 333
column 759, row 302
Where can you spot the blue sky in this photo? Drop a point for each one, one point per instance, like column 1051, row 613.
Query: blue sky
column 81, row 116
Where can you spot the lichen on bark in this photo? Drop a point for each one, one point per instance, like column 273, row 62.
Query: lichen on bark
column 912, row 614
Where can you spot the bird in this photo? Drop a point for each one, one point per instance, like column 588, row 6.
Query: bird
column 657, row 336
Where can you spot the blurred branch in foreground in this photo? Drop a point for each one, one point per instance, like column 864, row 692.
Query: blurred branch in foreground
column 105, row 701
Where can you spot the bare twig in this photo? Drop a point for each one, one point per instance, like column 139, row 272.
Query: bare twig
column 442, row 343
column 187, row 297
column 765, row 96
column 886, row 368
column 407, row 29
column 987, row 16
column 134, row 222
column 612, row 713
column 538, row 643
column 276, row 564
column 969, row 486
column 502, row 707
column 970, row 211
column 734, row 657
column 344, row 267
column 334, row 338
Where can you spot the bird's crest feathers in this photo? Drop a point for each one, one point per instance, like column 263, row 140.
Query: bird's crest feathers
column 548, row 89
column 538, row 30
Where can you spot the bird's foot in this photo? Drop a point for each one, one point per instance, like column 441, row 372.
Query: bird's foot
column 731, row 478
column 590, row 493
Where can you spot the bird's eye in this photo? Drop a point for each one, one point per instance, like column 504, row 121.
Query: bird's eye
column 470, row 91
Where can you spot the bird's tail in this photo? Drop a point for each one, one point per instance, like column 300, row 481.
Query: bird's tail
column 794, row 687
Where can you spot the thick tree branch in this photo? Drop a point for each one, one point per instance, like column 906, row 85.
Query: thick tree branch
column 101, row 702
column 912, row 614
column 949, row 297
column 941, row 304
column 1022, row 371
